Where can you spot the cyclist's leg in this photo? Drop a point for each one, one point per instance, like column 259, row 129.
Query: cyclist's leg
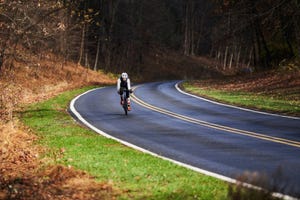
column 121, row 95
column 128, row 100
column 127, row 94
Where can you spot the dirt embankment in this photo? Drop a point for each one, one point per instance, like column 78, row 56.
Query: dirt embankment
column 23, row 174
column 284, row 85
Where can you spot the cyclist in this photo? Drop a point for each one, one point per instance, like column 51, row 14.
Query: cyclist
column 124, row 83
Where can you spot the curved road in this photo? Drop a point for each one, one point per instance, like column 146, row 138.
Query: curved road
column 221, row 139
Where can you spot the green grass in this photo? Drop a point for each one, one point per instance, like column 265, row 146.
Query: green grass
column 247, row 99
column 137, row 175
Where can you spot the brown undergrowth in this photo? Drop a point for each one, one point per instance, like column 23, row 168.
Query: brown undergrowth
column 23, row 173
column 274, row 83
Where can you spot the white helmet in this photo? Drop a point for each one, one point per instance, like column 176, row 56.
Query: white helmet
column 124, row 75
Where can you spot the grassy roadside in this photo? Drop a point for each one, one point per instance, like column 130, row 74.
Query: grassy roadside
column 253, row 100
column 136, row 175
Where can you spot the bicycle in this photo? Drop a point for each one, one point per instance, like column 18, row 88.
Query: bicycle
column 125, row 104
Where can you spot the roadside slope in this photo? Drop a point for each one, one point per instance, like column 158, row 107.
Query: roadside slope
column 271, row 91
column 23, row 171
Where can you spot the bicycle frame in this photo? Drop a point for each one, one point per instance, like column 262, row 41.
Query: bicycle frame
column 125, row 101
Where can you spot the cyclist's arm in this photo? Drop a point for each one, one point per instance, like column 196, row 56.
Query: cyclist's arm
column 118, row 84
column 128, row 84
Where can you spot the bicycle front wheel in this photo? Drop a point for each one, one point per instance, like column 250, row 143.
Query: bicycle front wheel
column 125, row 106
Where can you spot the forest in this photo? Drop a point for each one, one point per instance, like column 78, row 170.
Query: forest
column 113, row 35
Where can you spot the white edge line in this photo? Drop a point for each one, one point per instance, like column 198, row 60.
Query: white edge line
column 231, row 106
column 75, row 112
column 202, row 171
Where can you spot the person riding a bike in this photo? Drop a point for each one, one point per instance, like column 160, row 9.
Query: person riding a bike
column 123, row 83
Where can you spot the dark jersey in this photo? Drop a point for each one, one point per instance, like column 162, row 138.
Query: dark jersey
column 123, row 83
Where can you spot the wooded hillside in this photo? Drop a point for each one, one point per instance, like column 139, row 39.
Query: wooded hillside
column 135, row 35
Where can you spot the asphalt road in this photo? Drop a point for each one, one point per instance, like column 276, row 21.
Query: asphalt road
column 224, row 140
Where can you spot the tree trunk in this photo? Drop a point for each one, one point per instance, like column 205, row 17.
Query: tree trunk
column 261, row 39
column 230, row 62
column 189, row 37
column 250, row 57
column 218, row 58
column 97, row 54
column 1, row 59
column 109, row 27
column 86, row 62
column 186, row 30
column 192, row 32
column 82, row 45
column 296, row 24
column 225, row 58
column 297, row 32
column 238, row 57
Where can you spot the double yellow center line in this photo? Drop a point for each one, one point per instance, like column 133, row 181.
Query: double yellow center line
column 217, row 126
